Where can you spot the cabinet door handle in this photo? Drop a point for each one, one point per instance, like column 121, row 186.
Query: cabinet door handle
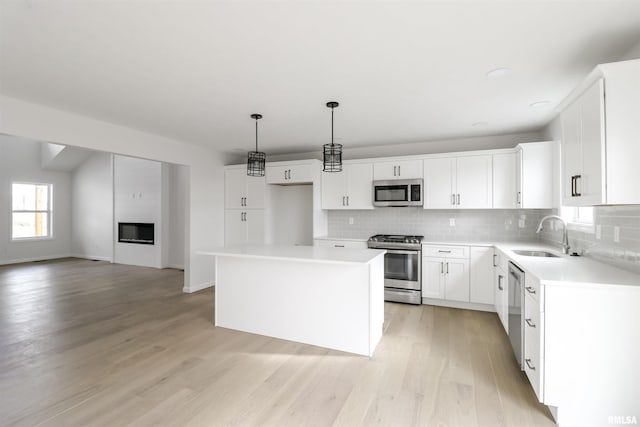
column 573, row 186
column 441, row 267
column 529, row 364
column 458, row 199
column 518, row 201
column 339, row 246
column 453, row 199
column 494, row 260
column 530, row 290
column 447, row 268
column 285, row 174
column 394, row 170
column 399, row 174
column 347, row 200
column 530, row 323
column 444, row 252
column 500, row 277
column 343, row 201
column 578, row 193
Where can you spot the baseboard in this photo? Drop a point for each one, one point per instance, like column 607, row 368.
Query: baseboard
column 459, row 304
column 91, row 257
column 42, row 258
column 175, row 266
column 198, row 287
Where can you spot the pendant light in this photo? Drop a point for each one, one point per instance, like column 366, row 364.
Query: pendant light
column 332, row 153
column 256, row 159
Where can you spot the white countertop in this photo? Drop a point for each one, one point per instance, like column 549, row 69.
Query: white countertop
column 565, row 269
column 343, row 239
column 300, row 253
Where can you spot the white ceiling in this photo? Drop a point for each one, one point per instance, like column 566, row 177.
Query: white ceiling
column 403, row 71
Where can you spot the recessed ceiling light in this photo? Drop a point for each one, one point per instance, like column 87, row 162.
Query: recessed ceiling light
column 480, row 124
column 498, row 72
column 539, row 104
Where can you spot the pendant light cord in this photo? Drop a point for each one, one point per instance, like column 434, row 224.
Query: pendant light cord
column 256, row 134
column 332, row 126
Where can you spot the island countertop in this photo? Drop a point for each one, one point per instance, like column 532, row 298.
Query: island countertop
column 299, row 253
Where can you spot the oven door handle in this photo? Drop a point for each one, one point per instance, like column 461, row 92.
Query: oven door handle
column 397, row 251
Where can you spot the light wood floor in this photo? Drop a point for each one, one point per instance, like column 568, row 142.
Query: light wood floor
column 95, row 344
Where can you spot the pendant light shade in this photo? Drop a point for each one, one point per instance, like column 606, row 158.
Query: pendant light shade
column 256, row 160
column 332, row 153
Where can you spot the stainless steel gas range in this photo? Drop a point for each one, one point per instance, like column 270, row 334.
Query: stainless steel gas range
column 402, row 266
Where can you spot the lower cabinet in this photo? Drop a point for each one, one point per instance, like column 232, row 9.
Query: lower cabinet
column 481, row 275
column 533, row 332
column 342, row 243
column 243, row 227
column 501, row 296
column 445, row 273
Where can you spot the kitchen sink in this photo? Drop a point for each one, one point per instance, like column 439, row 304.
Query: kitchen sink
column 535, row 253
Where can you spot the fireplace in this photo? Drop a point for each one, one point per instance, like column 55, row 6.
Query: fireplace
column 136, row 232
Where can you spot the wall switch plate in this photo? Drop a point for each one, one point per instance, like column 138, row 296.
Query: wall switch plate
column 598, row 231
column 452, row 222
column 616, row 234
column 350, row 220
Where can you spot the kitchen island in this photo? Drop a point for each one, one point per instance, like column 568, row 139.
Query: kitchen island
column 329, row 297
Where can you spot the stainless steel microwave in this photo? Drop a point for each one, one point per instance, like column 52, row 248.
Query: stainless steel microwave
column 397, row 192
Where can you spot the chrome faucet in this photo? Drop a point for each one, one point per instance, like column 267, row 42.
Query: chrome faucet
column 565, row 237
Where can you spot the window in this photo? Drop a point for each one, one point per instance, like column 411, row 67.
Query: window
column 30, row 211
column 578, row 218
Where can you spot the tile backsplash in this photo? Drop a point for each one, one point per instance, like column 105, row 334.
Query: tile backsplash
column 487, row 225
column 624, row 254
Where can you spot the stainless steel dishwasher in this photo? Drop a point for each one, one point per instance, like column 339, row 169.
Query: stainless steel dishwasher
column 516, row 310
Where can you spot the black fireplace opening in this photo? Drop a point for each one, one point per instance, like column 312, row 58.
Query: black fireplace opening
column 136, row 232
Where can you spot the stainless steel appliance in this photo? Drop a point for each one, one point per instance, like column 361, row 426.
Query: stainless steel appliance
column 397, row 192
column 515, row 293
column 402, row 267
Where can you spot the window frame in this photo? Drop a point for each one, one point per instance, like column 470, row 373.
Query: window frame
column 49, row 212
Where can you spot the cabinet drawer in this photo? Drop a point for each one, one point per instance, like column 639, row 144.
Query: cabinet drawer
column 446, row 251
column 353, row 244
column 500, row 260
column 533, row 345
column 532, row 289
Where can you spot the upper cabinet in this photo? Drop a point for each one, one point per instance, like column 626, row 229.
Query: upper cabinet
column 399, row 169
column 535, row 175
column 242, row 191
column 583, row 145
column 600, row 130
column 463, row 182
column 293, row 173
column 505, row 194
column 349, row 189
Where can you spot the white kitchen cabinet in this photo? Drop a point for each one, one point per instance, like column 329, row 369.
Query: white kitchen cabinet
column 463, row 182
column 341, row 243
column 600, row 130
column 399, row 169
column 481, row 275
column 289, row 173
column 583, row 143
column 501, row 296
column 242, row 191
column 505, row 194
column 445, row 273
column 533, row 332
column 535, row 175
column 242, row 227
column 349, row 189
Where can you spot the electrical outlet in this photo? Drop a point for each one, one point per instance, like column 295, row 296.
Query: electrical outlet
column 350, row 220
column 521, row 223
column 452, row 222
column 616, row 234
column 598, row 231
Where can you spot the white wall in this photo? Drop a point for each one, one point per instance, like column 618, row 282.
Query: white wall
column 414, row 148
column 138, row 197
column 633, row 53
column 20, row 161
column 92, row 208
column 205, row 219
column 289, row 218
column 178, row 196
